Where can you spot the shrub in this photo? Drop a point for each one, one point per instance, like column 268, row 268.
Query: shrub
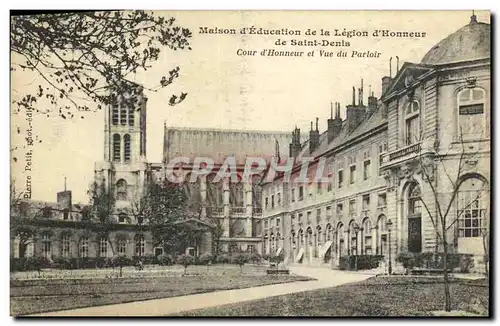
column 466, row 263
column 165, row 260
column 121, row 261
column 266, row 257
column 100, row 262
column 407, row 259
column 223, row 259
column 240, row 259
column 185, row 260
column 205, row 259
column 277, row 259
column 62, row 263
column 360, row 262
column 255, row 258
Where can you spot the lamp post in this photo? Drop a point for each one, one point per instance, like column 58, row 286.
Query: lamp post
column 356, row 230
column 389, row 226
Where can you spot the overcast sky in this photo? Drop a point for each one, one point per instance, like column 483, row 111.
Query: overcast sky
column 230, row 91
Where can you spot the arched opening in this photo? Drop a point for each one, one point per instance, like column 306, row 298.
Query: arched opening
column 366, row 236
column 236, row 197
column 214, row 194
column 193, row 192
column 126, row 146
column 382, row 235
column 472, row 208
column 352, row 248
column 340, row 241
column 414, row 217
column 256, row 193
column 116, row 148
column 121, row 190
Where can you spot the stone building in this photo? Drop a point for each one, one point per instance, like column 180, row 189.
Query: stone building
column 432, row 115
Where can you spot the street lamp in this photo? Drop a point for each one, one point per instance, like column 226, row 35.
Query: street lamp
column 389, row 226
column 356, row 230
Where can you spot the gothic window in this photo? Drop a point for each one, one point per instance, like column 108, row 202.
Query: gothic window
column 116, row 147
column 126, row 145
column 256, row 191
column 473, row 203
column 414, row 201
column 192, row 190
column 236, row 194
column 471, row 117
column 123, row 116
column 140, row 244
column 412, row 122
column 115, row 115
column 65, row 246
column 103, row 247
column 121, row 190
column 84, row 247
column 131, row 116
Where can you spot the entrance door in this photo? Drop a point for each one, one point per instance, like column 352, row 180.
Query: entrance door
column 415, row 234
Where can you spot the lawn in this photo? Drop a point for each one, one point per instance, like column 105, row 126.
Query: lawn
column 33, row 296
column 395, row 296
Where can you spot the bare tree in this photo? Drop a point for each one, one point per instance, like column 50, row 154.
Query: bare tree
column 453, row 166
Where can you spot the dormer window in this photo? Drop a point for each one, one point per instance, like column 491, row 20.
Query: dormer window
column 471, row 118
column 412, row 122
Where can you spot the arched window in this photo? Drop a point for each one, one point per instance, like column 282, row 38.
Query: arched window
column 115, row 115
column 236, row 193
column 471, row 117
column 414, row 202
column 367, row 236
column 140, row 245
column 340, row 240
column 256, row 192
column 123, row 116
column 84, row 247
column 381, row 235
column 214, row 191
column 412, row 122
column 131, row 116
column 46, row 245
column 66, row 246
column 473, row 202
column 353, row 237
column 116, row 148
column 121, row 190
column 126, row 145
column 103, row 247
column 193, row 191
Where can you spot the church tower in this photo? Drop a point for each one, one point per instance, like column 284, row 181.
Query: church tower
column 124, row 167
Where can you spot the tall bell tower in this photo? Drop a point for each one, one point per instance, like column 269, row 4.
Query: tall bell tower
column 124, row 166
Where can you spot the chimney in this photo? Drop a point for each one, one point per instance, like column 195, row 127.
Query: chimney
column 295, row 145
column 386, row 81
column 330, row 122
column 334, row 124
column 313, row 137
column 372, row 104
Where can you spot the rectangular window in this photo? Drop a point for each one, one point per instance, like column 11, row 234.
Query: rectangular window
column 272, row 201
column 328, row 211
column 65, row 214
column 352, row 176
column 66, row 246
column 367, row 170
column 266, row 202
column 366, row 202
column 340, row 209
column 250, row 248
column 301, row 193
column 471, row 119
column 309, row 216
column 278, row 222
column 472, row 214
column 412, row 130
column 293, row 195
column 300, row 217
column 319, row 190
column 382, row 200
column 352, row 206
column 318, row 215
column 121, row 246
column 103, row 247
column 341, row 178
column 84, row 247
column 279, row 199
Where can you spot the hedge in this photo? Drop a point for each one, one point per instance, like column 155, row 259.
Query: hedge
column 435, row 260
column 361, row 262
